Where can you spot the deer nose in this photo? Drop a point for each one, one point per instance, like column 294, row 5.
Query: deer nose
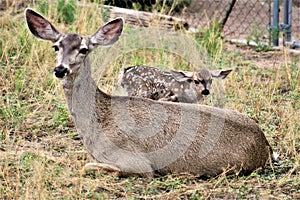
column 205, row 92
column 60, row 71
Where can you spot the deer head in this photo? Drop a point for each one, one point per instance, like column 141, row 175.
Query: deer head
column 72, row 49
column 201, row 80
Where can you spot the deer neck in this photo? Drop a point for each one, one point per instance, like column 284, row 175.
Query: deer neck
column 86, row 103
column 81, row 87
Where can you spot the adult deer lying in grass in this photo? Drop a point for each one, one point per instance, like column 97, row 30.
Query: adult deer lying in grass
column 135, row 135
column 176, row 86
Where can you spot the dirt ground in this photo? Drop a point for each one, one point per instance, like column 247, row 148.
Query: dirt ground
column 267, row 60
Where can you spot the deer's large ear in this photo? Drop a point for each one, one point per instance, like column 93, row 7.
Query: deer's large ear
column 107, row 34
column 220, row 74
column 181, row 75
column 40, row 27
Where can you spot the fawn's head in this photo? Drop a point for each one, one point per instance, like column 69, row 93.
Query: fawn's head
column 201, row 80
column 71, row 49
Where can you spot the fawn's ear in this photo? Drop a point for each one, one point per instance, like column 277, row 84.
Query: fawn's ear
column 220, row 74
column 40, row 27
column 182, row 75
column 107, row 34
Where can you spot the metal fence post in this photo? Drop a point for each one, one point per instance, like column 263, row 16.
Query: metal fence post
column 286, row 27
column 287, row 21
column 275, row 26
column 227, row 13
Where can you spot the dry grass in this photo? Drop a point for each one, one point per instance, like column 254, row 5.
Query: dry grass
column 41, row 156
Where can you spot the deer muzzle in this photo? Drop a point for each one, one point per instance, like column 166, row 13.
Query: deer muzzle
column 205, row 92
column 60, row 71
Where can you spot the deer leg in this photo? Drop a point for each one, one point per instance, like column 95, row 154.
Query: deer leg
column 170, row 96
column 173, row 99
column 112, row 168
column 107, row 167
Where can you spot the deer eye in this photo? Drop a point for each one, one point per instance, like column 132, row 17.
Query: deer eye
column 56, row 49
column 83, row 51
column 196, row 82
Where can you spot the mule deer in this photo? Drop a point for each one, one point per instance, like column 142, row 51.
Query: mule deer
column 176, row 86
column 140, row 136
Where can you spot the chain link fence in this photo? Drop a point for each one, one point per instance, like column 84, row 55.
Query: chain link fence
column 241, row 19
